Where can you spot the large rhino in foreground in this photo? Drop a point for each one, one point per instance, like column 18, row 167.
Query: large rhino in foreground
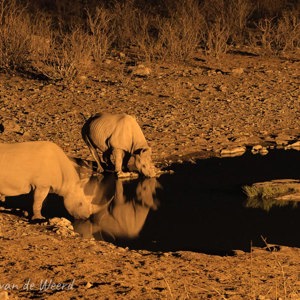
column 43, row 167
column 118, row 135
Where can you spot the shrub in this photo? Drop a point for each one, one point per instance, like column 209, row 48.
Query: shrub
column 100, row 36
column 15, row 35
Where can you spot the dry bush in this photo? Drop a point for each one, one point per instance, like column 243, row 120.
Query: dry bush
column 180, row 34
column 266, row 29
column 15, row 34
column 281, row 34
column 171, row 33
column 41, row 36
column 287, row 34
column 237, row 16
column 100, row 37
column 218, row 34
column 124, row 23
column 270, row 8
column 226, row 24
column 69, row 55
column 146, row 37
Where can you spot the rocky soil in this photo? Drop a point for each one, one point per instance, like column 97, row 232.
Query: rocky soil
column 205, row 106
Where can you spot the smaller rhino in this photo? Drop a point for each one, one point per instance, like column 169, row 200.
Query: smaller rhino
column 118, row 135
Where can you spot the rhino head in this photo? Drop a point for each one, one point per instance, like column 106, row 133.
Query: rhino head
column 143, row 162
column 77, row 203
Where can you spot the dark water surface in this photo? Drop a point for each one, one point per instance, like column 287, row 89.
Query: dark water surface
column 201, row 207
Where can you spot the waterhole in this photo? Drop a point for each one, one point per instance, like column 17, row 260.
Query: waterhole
column 201, row 207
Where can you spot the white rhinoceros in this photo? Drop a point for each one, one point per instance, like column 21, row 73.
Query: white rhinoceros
column 41, row 166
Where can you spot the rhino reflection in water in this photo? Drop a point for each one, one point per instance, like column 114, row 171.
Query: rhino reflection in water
column 120, row 207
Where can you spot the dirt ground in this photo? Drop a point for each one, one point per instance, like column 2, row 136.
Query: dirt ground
column 204, row 106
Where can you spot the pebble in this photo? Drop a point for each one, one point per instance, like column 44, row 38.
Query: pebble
column 255, row 149
column 141, row 71
column 4, row 295
column 11, row 126
column 263, row 151
column 237, row 71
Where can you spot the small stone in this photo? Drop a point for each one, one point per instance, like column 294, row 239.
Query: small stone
column 11, row 126
column 108, row 61
column 223, row 88
column 27, row 135
column 237, row 71
column 82, row 78
column 263, row 151
column 238, row 252
column 255, row 149
column 122, row 55
column 4, row 295
column 141, row 71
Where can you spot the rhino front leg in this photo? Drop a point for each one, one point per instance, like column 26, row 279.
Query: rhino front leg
column 40, row 193
column 119, row 155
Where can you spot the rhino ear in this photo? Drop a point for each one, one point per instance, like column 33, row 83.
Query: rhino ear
column 142, row 150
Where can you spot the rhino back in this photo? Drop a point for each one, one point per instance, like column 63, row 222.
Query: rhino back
column 117, row 131
column 35, row 164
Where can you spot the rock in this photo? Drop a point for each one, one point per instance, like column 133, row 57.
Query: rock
column 223, row 88
column 295, row 146
column 60, row 222
column 61, row 226
column 233, row 152
column 141, row 71
column 11, row 126
column 283, row 139
column 122, row 55
column 255, row 149
column 27, row 135
column 4, row 295
column 263, row 151
column 108, row 61
column 82, row 78
column 237, row 71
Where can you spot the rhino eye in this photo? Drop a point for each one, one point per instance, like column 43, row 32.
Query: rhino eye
column 144, row 166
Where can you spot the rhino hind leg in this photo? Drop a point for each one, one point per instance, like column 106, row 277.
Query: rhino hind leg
column 92, row 149
column 107, row 163
column 40, row 193
column 126, row 159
